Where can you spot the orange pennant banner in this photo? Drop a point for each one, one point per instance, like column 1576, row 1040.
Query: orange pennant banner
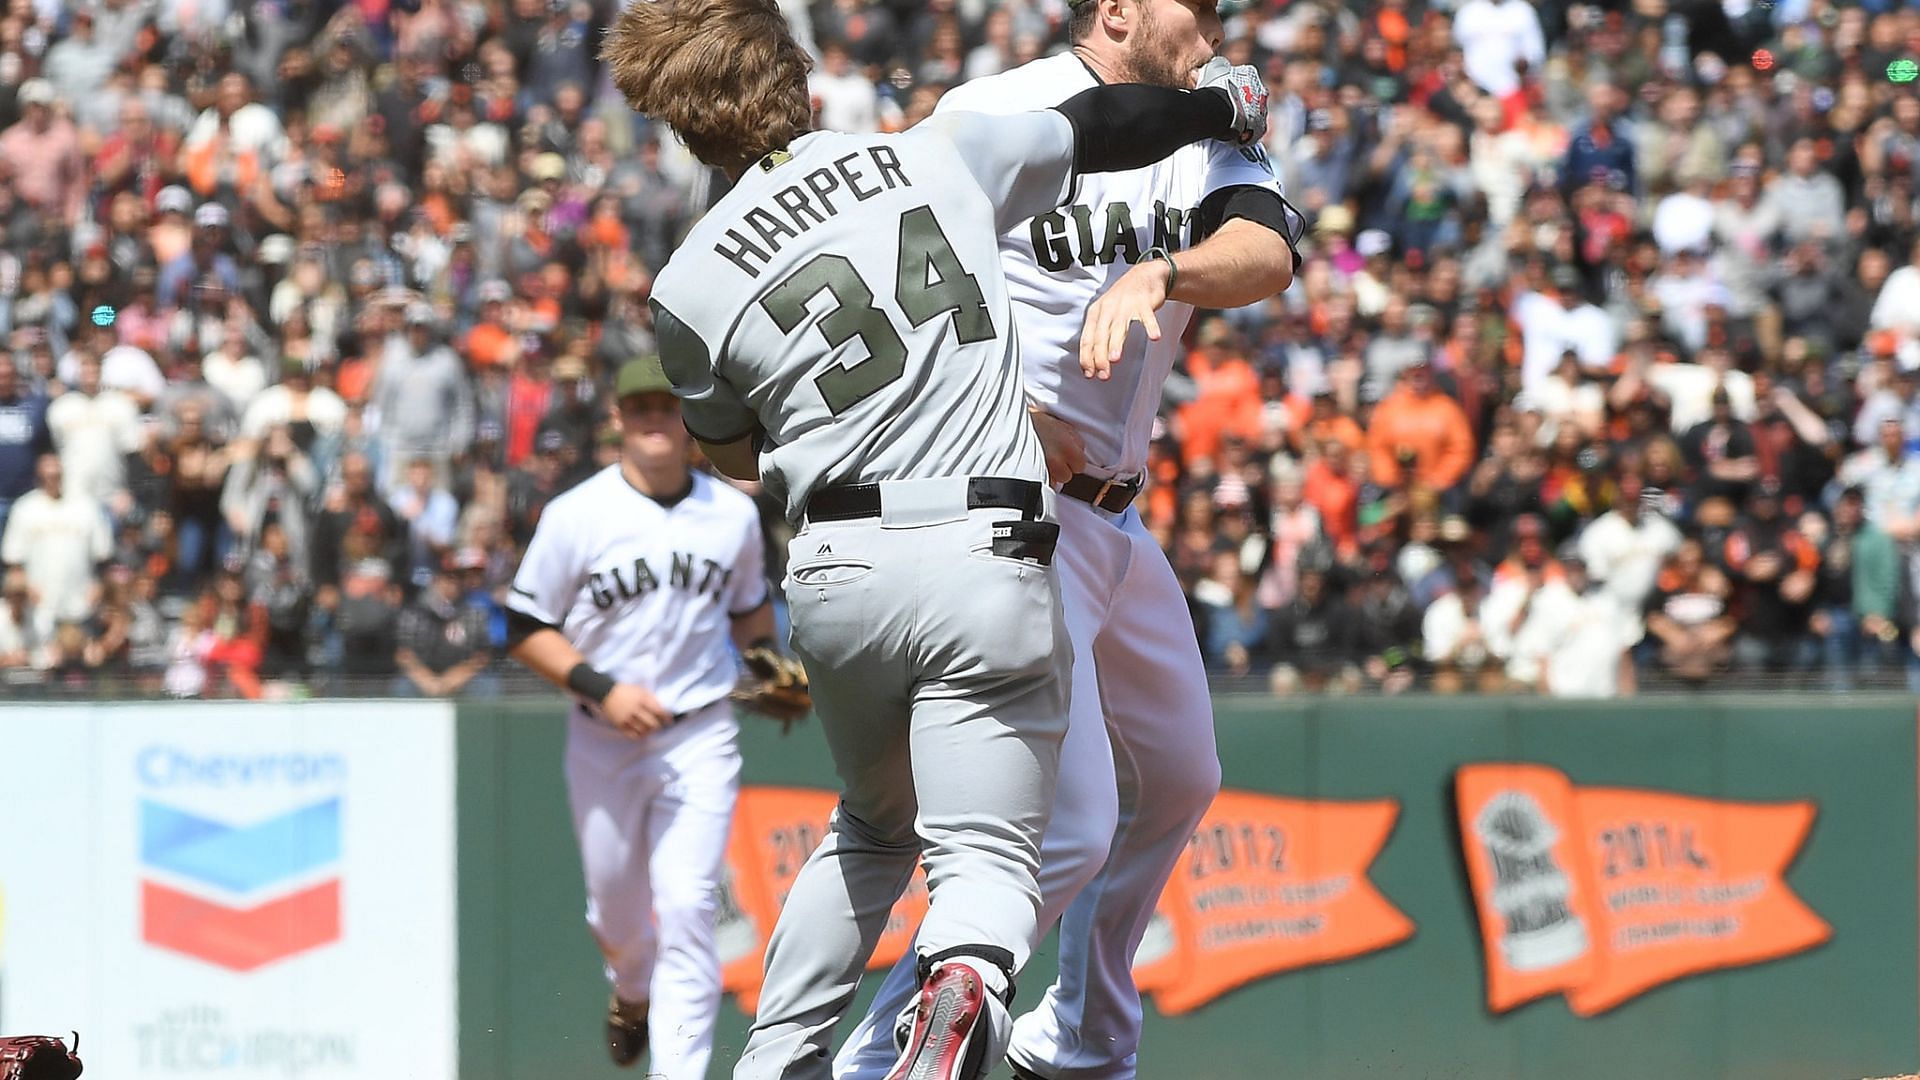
column 775, row 829
column 1266, row 885
column 1605, row 893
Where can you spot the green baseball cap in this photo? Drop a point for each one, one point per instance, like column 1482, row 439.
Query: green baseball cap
column 642, row 376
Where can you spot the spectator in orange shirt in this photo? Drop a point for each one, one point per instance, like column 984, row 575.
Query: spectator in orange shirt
column 1326, row 421
column 1331, row 489
column 490, row 343
column 1423, row 426
column 1228, row 398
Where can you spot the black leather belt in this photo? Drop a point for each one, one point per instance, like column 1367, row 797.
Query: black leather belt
column 851, row 502
column 1113, row 496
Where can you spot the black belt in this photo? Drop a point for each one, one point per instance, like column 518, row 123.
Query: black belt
column 1112, row 496
column 851, row 502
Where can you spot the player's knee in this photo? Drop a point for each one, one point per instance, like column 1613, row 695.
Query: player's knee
column 1078, row 840
column 1197, row 779
column 1181, row 783
column 866, row 835
column 684, row 914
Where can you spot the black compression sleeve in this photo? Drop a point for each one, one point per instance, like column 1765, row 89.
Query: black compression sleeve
column 1129, row 126
column 521, row 626
column 1256, row 204
column 1240, row 201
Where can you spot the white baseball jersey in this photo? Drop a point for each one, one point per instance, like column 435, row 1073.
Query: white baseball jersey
column 647, row 592
column 813, row 302
column 1058, row 262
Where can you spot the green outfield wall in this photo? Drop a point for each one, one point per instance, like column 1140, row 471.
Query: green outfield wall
column 530, row 990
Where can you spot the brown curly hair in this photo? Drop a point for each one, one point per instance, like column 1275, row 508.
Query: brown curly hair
column 725, row 75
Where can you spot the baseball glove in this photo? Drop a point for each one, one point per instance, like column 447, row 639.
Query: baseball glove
column 37, row 1057
column 775, row 686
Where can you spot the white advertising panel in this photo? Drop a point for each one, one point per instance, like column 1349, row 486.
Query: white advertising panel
column 238, row 891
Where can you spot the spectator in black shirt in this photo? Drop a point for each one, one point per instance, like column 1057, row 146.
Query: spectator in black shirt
column 1792, row 444
column 406, row 108
column 531, row 486
column 1507, row 483
column 1777, row 571
column 277, row 584
column 1689, row 618
column 367, row 623
column 354, row 523
column 1314, row 633
column 1720, row 452
column 1389, row 623
column 443, row 642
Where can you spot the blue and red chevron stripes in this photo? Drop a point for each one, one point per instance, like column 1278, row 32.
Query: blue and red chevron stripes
column 290, row 850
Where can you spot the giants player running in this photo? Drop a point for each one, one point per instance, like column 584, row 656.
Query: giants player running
column 632, row 589
column 839, row 325
column 1206, row 227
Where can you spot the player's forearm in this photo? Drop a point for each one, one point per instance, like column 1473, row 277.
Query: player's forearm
column 548, row 654
column 1242, row 263
column 1126, row 126
column 754, row 626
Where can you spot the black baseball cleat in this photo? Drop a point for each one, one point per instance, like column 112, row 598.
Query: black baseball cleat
column 626, row 1030
column 946, row 1022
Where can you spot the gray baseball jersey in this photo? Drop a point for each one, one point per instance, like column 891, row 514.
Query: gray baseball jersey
column 783, row 313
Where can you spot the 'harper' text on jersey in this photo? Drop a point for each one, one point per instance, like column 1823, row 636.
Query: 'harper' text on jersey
column 808, row 203
column 1068, row 235
column 617, row 583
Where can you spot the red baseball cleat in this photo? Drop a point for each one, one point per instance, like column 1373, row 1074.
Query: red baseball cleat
column 945, row 1022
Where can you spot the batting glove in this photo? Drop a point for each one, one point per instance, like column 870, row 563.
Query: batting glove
column 1247, row 93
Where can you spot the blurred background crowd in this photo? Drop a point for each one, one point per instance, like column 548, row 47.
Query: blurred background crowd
column 1600, row 373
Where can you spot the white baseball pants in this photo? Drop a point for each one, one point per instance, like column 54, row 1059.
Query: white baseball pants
column 652, row 816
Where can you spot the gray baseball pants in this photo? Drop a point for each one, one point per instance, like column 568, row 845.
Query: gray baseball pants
column 940, row 674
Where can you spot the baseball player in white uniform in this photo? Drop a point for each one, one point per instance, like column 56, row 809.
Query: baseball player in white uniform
column 634, row 591
column 838, row 326
column 1206, row 227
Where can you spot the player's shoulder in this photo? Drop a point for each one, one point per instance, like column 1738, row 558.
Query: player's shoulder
column 687, row 277
column 1037, row 84
column 667, row 290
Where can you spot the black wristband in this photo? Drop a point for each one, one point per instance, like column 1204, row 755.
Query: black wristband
column 766, row 643
column 589, row 683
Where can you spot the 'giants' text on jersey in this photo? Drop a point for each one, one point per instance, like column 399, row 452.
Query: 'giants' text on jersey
column 1066, row 236
column 684, row 570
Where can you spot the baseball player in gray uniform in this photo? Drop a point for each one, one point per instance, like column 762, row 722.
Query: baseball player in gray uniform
column 633, row 593
column 838, row 326
column 1205, row 227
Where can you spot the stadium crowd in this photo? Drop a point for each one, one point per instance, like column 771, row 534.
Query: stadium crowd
column 1602, row 366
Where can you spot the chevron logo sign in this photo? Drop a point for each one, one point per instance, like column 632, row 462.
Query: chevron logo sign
column 240, row 896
